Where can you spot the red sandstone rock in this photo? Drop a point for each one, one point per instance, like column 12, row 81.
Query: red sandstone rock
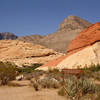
column 87, row 37
column 54, row 62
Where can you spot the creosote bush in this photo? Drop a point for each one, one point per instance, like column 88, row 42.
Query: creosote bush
column 7, row 72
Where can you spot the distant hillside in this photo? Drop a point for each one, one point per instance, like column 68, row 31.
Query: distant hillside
column 7, row 36
column 59, row 40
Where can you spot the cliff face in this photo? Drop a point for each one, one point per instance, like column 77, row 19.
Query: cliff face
column 59, row 40
column 20, row 52
column 86, row 38
column 7, row 36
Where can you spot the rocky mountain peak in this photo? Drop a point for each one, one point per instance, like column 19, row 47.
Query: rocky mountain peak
column 72, row 23
column 60, row 39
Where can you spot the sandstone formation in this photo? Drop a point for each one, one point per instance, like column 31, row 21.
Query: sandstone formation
column 87, row 37
column 7, row 36
column 83, row 51
column 59, row 40
column 83, row 58
column 20, row 52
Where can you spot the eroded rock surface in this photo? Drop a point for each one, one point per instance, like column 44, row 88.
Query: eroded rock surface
column 83, row 50
column 25, row 53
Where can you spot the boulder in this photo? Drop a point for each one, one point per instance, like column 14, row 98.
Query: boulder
column 19, row 78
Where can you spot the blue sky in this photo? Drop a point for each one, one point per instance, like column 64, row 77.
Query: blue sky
column 27, row 17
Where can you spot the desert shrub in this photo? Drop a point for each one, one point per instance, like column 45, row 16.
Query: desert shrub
column 75, row 88
column 92, row 68
column 96, row 75
column 87, row 86
column 45, row 82
column 28, row 69
column 48, row 83
column 34, row 66
column 7, row 72
column 62, row 92
column 53, row 70
column 92, row 72
column 54, row 73
column 34, row 74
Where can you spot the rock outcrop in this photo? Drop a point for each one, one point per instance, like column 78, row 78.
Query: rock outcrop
column 59, row 40
column 22, row 53
column 73, row 23
column 87, row 37
column 83, row 50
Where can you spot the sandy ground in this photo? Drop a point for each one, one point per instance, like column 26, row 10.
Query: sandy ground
column 28, row 93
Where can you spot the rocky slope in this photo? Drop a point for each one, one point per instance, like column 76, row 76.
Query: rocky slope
column 21, row 52
column 59, row 40
column 83, row 50
column 7, row 36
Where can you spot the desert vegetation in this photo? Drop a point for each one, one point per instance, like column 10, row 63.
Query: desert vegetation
column 92, row 72
column 87, row 87
column 74, row 88
column 79, row 89
column 7, row 72
column 25, row 69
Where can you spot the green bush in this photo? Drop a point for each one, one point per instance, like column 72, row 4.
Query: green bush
column 92, row 68
column 7, row 72
column 28, row 69
column 92, row 72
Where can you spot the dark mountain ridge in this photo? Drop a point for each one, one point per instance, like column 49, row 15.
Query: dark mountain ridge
column 7, row 36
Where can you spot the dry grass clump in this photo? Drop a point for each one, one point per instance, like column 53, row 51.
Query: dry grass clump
column 76, row 89
column 50, row 79
column 92, row 72
column 34, row 74
column 7, row 72
column 45, row 83
column 49, row 83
